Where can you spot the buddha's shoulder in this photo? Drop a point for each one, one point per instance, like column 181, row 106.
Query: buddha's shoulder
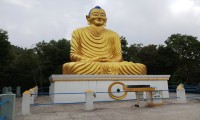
column 80, row 29
column 111, row 32
column 85, row 29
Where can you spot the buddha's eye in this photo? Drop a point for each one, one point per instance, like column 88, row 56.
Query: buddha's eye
column 102, row 15
column 95, row 14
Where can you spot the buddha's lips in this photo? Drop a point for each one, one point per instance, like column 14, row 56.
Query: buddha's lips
column 99, row 20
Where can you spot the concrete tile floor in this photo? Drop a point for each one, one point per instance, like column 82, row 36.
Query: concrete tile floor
column 171, row 110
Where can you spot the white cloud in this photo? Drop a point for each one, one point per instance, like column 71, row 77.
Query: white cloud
column 23, row 3
column 140, row 21
column 101, row 2
column 181, row 6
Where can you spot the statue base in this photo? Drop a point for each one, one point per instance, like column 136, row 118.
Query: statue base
column 71, row 88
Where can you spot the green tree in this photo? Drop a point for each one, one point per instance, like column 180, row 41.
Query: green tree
column 25, row 69
column 188, row 49
column 124, row 44
column 149, row 57
column 133, row 53
column 6, row 58
column 5, row 47
column 168, row 60
column 159, row 60
column 30, row 67
column 130, row 53
column 52, row 56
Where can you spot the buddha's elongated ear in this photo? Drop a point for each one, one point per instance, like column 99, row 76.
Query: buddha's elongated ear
column 88, row 19
column 105, row 23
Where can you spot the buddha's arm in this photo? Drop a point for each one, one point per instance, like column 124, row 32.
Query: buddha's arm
column 116, row 51
column 75, row 54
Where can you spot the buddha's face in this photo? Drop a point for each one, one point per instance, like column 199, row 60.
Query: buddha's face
column 97, row 17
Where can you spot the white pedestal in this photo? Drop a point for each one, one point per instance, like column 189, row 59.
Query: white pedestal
column 26, row 103
column 157, row 97
column 140, row 102
column 181, row 97
column 89, row 100
column 100, row 83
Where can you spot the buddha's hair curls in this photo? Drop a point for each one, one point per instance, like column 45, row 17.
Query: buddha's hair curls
column 97, row 7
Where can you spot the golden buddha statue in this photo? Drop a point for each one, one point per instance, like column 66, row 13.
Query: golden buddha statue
column 97, row 50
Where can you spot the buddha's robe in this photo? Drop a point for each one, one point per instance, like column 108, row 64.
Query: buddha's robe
column 86, row 45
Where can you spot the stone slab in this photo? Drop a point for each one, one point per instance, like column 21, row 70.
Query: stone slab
column 54, row 78
column 100, row 84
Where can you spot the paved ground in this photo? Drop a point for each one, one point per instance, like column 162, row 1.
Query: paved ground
column 171, row 110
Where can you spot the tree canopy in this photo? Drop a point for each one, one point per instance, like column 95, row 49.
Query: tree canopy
column 179, row 57
column 188, row 49
column 4, row 47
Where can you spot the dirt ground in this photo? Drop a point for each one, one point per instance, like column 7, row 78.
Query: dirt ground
column 124, row 110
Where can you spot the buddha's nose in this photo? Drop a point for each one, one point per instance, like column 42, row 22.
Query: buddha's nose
column 99, row 16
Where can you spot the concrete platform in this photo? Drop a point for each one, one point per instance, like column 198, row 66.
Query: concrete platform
column 171, row 110
column 100, row 83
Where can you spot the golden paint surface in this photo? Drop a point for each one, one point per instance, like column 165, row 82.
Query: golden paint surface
column 97, row 50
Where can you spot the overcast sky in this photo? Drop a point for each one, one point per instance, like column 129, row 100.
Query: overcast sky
column 140, row 21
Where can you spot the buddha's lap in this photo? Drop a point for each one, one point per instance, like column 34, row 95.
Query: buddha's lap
column 104, row 68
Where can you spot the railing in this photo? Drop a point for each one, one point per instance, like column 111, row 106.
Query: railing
column 7, row 103
column 79, row 93
column 180, row 96
column 188, row 89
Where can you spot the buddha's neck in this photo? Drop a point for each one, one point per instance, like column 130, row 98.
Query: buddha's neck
column 96, row 31
column 96, row 28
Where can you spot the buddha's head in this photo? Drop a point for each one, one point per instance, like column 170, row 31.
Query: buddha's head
column 97, row 17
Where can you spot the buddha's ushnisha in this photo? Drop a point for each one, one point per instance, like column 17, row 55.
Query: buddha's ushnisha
column 97, row 50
